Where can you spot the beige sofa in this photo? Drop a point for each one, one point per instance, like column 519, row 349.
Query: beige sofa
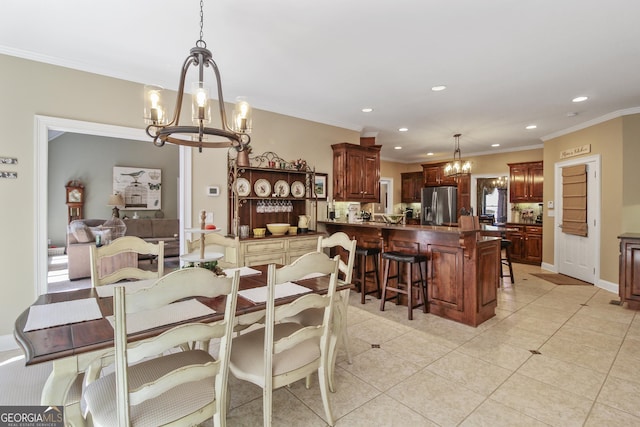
column 81, row 235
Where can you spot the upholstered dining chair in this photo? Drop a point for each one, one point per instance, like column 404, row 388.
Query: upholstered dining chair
column 215, row 242
column 281, row 353
column 125, row 245
column 176, row 388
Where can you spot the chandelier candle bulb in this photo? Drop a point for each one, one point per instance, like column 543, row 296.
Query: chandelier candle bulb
column 153, row 110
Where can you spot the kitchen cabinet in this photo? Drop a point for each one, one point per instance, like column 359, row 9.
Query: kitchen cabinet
column 411, row 189
column 464, row 193
column 356, row 173
column 433, row 174
column 526, row 243
column 629, row 287
column 526, row 182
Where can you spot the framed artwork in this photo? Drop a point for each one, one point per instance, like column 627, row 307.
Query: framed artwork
column 320, row 186
column 141, row 188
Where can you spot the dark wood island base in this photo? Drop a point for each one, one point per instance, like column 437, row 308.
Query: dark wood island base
column 463, row 267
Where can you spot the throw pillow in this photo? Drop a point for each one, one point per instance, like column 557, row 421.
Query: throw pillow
column 81, row 232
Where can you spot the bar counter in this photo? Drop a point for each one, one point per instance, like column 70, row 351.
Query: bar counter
column 463, row 269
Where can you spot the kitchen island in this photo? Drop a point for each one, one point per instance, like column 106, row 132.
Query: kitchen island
column 463, row 269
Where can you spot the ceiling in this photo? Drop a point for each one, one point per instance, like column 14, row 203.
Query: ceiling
column 506, row 64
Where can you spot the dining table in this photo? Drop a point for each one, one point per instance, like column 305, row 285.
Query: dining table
column 75, row 347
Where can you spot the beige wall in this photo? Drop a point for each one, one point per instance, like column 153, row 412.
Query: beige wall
column 606, row 139
column 29, row 88
column 631, row 174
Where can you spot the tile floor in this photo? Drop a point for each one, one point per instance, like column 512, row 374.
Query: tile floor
column 434, row 372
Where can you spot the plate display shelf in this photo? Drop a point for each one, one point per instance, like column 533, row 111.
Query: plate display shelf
column 269, row 190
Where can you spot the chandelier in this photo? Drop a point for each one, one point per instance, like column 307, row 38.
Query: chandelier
column 198, row 134
column 457, row 167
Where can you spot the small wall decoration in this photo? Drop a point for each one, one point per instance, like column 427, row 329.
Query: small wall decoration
column 8, row 161
column 141, row 188
column 320, row 185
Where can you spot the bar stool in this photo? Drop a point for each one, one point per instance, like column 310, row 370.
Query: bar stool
column 361, row 272
column 505, row 245
column 407, row 261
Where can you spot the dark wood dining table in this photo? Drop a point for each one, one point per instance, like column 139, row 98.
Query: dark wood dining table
column 74, row 347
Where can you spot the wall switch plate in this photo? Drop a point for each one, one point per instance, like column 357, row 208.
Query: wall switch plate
column 209, row 218
column 550, row 204
column 551, row 213
column 213, row 191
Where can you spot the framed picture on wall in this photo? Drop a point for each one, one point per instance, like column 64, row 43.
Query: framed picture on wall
column 141, row 188
column 320, row 186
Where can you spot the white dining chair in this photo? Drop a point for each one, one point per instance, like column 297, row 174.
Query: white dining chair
column 281, row 353
column 126, row 245
column 216, row 242
column 177, row 388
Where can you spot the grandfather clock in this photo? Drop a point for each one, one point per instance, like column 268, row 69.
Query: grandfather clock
column 75, row 200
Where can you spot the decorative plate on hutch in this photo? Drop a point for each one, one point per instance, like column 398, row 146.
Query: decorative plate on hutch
column 281, row 188
column 243, row 187
column 297, row 189
column 262, row 188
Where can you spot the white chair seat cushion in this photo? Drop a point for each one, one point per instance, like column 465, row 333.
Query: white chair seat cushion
column 247, row 353
column 100, row 396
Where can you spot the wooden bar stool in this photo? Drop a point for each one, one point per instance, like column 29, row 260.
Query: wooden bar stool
column 505, row 245
column 361, row 271
column 406, row 261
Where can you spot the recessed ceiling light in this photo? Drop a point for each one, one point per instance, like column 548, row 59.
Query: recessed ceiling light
column 429, row 154
column 367, row 110
column 495, row 145
column 397, row 147
column 531, row 127
column 580, row 99
column 572, row 114
column 438, row 88
column 403, row 129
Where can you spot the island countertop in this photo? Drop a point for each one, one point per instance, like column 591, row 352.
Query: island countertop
column 463, row 272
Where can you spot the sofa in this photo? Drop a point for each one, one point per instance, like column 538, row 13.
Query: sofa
column 81, row 234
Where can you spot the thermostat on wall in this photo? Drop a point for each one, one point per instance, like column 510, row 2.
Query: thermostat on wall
column 213, row 191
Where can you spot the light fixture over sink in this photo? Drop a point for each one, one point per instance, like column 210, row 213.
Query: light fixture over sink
column 197, row 134
column 457, row 167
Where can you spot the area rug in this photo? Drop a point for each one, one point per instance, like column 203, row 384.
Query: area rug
column 560, row 279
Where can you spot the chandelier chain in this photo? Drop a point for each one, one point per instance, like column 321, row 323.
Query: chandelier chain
column 201, row 42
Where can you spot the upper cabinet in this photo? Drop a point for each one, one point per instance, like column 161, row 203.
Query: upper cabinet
column 412, row 183
column 526, row 182
column 434, row 175
column 356, row 173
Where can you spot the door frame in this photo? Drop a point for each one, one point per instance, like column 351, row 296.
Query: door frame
column 592, row 205
column 44, row 124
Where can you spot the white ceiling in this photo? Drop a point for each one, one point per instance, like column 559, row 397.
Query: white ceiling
column 506, row 63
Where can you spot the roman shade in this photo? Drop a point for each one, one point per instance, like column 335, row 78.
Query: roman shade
column 574, row 200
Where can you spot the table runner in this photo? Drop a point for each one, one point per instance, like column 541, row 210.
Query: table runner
column 171, row 313
column 62, row 313
column 286, row 289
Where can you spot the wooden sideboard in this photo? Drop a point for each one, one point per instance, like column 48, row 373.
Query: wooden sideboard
column 629, row 287
column 276, row 249
column 463, row 269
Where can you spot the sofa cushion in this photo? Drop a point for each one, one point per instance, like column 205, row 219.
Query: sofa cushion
column 81, row 231
column 139, row 227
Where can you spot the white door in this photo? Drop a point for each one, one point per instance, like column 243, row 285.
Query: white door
column 577, row 256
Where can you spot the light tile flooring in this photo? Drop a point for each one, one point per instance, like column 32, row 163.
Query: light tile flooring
column 435, row 372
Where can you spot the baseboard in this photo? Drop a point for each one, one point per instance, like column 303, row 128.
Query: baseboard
column 608, row 286
column 7, row 342
column 548, row 267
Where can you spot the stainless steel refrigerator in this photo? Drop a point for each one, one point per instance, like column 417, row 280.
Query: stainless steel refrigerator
column 439, row 205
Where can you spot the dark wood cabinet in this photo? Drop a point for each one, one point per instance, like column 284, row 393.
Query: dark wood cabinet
column 526, row 243
column 411, row 189
column 434, row 175
column 526, row 182
column 356, row 173
column 464, row 193
column 629, row 286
